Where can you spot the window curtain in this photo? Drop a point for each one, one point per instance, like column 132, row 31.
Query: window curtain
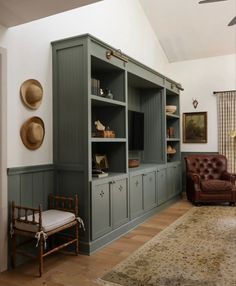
column 226, row 105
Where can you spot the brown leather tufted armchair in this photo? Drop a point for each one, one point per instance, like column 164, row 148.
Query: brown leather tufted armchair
column 208, row 180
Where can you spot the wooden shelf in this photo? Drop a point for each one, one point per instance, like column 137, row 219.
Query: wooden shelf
column 98, row 139
column 172, row 139
column 170, row 115
column 99, row 100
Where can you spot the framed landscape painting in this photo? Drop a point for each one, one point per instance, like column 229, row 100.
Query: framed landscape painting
column 195, row 127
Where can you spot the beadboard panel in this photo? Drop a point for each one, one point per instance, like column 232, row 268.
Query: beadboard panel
column 30, row 185
column 69, row 127
column 152, row 106
column 70, row 182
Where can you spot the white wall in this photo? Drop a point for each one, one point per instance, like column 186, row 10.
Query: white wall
column 120, row 23
column 199, row 79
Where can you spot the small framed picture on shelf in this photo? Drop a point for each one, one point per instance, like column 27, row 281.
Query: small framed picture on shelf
column 195, row 127
column 101, row 162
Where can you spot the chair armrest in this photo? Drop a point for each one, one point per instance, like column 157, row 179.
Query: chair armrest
column 194, row 177
column 229, row 177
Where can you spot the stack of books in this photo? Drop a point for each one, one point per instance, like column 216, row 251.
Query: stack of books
column 99, row 173
column 95, row 86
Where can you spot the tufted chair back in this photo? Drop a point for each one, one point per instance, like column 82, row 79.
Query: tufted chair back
column 207, row 166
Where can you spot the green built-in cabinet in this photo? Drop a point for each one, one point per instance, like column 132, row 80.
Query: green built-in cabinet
column 112, row 205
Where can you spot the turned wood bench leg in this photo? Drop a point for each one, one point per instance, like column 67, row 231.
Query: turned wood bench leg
column 77, row 239
column 13, row 261
column 40, row 256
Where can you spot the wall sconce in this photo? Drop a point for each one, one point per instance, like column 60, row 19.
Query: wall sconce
column 232, row 133
column 195, row 103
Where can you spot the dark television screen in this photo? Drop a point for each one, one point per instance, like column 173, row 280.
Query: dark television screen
column 136, row 130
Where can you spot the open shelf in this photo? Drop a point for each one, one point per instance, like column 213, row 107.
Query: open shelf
column 175, row 144
column 108, row 77
column 115, row 153
column 112, row 117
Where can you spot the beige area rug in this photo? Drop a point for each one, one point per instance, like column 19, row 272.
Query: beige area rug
column 199, row 249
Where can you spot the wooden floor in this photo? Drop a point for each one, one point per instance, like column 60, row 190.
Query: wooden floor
column 61, row 269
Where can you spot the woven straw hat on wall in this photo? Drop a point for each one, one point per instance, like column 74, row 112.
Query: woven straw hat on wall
column 31, row 92
column 32, row 133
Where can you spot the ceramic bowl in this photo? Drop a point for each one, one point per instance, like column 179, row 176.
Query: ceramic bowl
column 171, row 108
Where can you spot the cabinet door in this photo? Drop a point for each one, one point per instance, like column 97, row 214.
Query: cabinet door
column 161, row 186
column 136, row 196
column 101, row 210
column 149, row 190
column 170, row 177
column 177, row 173
column 119, row 202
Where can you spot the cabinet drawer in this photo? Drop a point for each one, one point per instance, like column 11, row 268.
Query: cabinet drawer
column 136, row 196
column 119, row 203
column 101, row 210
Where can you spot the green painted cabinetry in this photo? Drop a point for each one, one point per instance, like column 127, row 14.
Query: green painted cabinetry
column 101, row 210
column 149, row 190
column 92, row 82
column 120, row 210
column 136, row 195
column 162, row 194
column 109, row 205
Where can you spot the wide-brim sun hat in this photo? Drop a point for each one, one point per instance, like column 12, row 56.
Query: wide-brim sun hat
column 32, row 133
column 31, row 92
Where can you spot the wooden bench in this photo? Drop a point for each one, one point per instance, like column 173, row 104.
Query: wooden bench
column 36, row 223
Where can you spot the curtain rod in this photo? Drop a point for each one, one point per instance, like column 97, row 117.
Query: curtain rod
column 215, row 92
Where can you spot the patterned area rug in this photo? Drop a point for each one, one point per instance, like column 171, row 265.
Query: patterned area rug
column 199, row 249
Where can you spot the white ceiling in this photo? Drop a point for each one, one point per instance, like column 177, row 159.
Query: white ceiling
column 186, row 30
column 16, row 12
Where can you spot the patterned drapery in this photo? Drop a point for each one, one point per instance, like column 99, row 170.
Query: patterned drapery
column 226, row 105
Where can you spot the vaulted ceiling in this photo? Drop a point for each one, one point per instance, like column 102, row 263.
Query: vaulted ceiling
column 189, row 30
column 186, row 30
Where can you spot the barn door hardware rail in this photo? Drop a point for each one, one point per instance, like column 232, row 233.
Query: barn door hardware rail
column 118, row 54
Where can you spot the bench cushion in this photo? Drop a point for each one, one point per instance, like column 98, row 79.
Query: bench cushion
column 51, row 219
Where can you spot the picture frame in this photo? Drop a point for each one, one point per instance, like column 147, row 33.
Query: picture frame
column 101, row 162
column 195, row 127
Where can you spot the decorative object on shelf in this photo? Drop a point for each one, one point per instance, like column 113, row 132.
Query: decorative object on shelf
column 101, row 92
column 171, row 108
column 133, row 163
column 107, row 93
column 106, row 134
column 101, row 162
column 195, row 103
column 99, row 126
column 103, row 132
column 32, row 133
column 171, row 132
column 195, row 127
column 117, row 53
column 31, row 92
column 171, row 150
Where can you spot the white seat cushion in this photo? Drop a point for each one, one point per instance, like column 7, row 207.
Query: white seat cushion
column 51, row 219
